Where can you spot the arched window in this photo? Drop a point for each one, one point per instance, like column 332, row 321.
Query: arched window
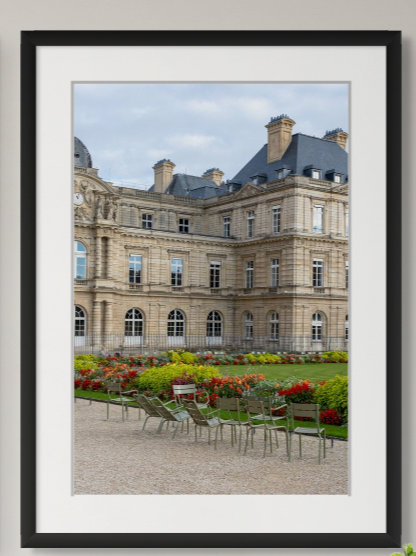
column 80, row 263
column 346, row 327
column 274, row 326
column 317, row 327
column 176, row 323
column 214, row 325
column 248, row 326
column 80, row 322
column 134, row 323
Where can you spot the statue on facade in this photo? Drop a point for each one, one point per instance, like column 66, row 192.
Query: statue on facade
column 80, row 213
column 99, row 208
column 88, row 191
column 111, row 210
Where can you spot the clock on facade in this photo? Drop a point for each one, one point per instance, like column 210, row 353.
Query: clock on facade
column 78, row 198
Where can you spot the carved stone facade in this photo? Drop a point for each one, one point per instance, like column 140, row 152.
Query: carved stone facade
column 262, row 256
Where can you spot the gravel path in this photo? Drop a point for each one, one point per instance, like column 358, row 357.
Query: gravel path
column 111, row 457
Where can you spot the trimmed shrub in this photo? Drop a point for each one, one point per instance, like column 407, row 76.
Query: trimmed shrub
column 336, row 356
column 334, row 395
column 159, row 379
column 182, row 356
column 86, row 362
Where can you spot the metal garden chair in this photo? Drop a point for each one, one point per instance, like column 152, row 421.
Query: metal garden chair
column 146, row 404
column 188, row 391
column 115, row 388
column 306, row 410
column 228, row 405
column 177, row 415
column 210, row 420
column 262, row 411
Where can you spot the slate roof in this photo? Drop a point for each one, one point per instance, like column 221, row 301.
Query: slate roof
column 192, row 186
column 303, row 151
column 82, row 155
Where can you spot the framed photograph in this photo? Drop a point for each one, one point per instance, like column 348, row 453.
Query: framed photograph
column 193, row 252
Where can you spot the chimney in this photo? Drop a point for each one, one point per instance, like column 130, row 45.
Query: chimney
column 337, row 135
column 214, row 174
column 279, row 136
column 163, row 175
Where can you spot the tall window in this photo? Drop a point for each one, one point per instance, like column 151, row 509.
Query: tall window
column 318, row 273
column 80, row 266
column 337, row 178
column 214, row 325
column 250, row 223
column 347, row 224
column 176, row 269
column 346, row 327
column 317, row 327
column 215, row 274
column 135, row 269
column 275, row 272
column 176, row 323
column 248, row 326
column 276, row 219
column 249, row 274
column 147, row 221
column 316, row 174
column 80, row 322
column 318, row 219
column 184, row 225
column 226, row 221
column 346, row 274
column 133, row 323
column 274, row 326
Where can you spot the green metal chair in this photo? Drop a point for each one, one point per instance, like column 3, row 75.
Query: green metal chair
column 188, row 391
column 260, row 417
column 177, row 415
column 146, row 404
column 115, row 389
column 311, row 411
column 228, row 405
column 210, row 420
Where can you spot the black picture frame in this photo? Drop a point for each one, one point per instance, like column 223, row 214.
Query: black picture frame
column 30, row 40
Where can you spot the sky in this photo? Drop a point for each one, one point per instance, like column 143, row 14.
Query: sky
column 127, row 128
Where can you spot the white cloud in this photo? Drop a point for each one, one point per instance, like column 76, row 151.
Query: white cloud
column 203, row 106
column 192, row 141
column 158, row 154
column 139, row 112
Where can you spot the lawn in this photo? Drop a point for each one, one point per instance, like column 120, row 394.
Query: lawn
column 315, row 372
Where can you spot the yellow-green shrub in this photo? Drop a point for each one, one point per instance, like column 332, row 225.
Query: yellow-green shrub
column 334, row 395
column 85, row 362
column 185, row 356
column 335, row 355
column 263, row 358
column 158, row 379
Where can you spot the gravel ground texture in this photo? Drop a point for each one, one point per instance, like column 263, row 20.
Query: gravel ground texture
column 112, row 457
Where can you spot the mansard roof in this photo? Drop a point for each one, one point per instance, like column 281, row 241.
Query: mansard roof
column 302, row 152
column 193, row 186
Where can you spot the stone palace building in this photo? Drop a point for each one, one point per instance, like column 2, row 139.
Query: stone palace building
column 256, row 262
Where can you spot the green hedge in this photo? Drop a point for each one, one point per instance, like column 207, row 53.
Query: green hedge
column 334, row 395
column 159, row 379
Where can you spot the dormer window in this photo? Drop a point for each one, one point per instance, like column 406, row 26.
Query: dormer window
column 334, row 176
column 283, row 172
column 259, row 178
column 312, row 172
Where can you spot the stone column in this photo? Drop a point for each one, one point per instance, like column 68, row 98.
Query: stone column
column 108, row 318
column 109, row 261
column 96, row 321
column 98, row 256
